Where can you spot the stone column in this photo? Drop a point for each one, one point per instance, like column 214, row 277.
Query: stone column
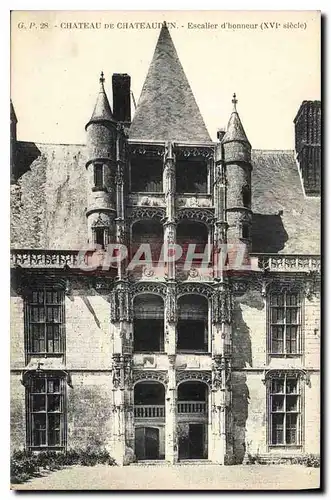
column 171, row 445
column 118, row 434
column 169, row 181
column 121, row 230
column 123, row 424
column 221, row 371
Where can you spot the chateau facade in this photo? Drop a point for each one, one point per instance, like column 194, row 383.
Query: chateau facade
column 210, row 355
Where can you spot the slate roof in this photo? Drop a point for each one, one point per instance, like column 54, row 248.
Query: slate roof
column 167, row 109
column 284, row 220
column 48, row 202
column 102, row 110
column 235, row 130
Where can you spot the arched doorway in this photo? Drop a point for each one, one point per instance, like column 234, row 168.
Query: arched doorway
column 192, row 418
column 149, row 417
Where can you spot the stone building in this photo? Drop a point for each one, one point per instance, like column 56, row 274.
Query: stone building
column 182, row 358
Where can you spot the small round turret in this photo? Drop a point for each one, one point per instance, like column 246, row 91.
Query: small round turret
column 237, row 160
column 101, row 170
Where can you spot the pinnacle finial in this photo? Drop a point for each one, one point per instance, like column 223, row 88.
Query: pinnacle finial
column 102, row 78
column 164, row 24
column 234, row 102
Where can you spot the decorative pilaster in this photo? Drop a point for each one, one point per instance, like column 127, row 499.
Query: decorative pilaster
column 171, row 445
column 170, row 319
column 123, row 425
column 170, row 224
column 220, row 227
column 121, row 153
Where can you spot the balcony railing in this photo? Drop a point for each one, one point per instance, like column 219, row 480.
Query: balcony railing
column 47, row 258
column 192, row 407
column 158, row 411
column 149, row 411
column 279, row 262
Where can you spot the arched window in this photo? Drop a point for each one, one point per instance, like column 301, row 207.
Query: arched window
column 148, row 232
column 148, row 323
column 192, row 326
column 192, row 232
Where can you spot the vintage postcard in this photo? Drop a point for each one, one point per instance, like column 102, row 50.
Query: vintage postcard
column 165, row 250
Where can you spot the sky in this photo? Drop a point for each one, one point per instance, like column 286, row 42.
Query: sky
column 55, row 68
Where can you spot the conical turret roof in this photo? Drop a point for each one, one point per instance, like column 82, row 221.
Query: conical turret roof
column 235, row 130
column 102, row 110
column 167, row 109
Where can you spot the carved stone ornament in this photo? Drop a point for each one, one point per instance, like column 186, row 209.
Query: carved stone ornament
column 189, row 151
column 171, row 303
column 100, row 222
column 120, row 304
column 139, row 213
column 147, row 150
column 195, row 288
column 148, row 287
column 196, row 214
column 188, row 375
column 122, row 371
column 39, row 372
column 239, row 287
column 292, row 372
column 222, row 306
column 154, row 375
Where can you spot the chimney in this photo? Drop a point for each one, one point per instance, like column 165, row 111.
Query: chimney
column 308, row 145
column 220, row 134
column 122, row 98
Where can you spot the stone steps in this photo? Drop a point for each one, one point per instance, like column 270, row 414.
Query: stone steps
column 163, row 463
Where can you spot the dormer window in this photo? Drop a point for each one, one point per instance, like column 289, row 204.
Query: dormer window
column 98, row 176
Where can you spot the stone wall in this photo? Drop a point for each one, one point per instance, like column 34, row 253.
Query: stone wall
column 48, row 202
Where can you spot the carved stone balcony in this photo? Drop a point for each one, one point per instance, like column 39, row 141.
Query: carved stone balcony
column 149, row 411
column 56, row 259
column 158, row 411
column 192, row 407
column 286, row 263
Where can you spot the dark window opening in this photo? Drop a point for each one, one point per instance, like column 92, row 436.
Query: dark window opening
column 146, row 175
column 148, row 335
column 46, row 412
column 284, row 317
column 284, row 411
column 191, row 232
column 99, row 236
column 246, row 194
column 45, row 312
column 245, row 231
column 192, row 325
column 147, row 232
column 191, row 175
column 98, row 175
column 191, row 335
column 192, row 391
column 148, row 323
column 149, row 393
